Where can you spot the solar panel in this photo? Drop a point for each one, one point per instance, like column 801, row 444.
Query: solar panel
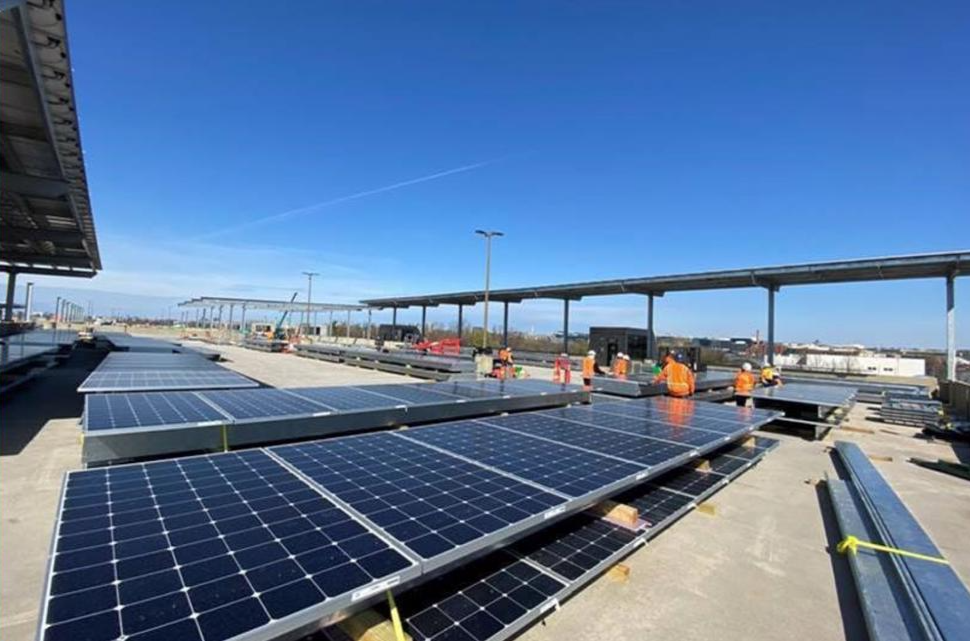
column 205, row 548
column 121, row 361
column 643, row 427
column 133, row 381
column 566, row 469
column 495, row 594
column 411, row 394
column 518, row 585
column 345, row 398
column 248, row 405
column 127, row 411
column 822, row 395
column 269, row 415
column 637, row 449
column 688, row 414
column 432, row 502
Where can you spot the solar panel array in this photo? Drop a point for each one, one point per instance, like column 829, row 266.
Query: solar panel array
column 216, row 546
column 807, row 394
column 128, row 425
column 142, row 372
column 500, row 594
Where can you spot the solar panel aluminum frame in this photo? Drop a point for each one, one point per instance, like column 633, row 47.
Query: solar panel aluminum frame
column 301, row 623
column 106, row 446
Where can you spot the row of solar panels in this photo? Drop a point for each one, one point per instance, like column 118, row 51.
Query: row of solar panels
column 410, row 359
column 131, row 426
column 499, row 595
column 256, row 544
column 151, row 371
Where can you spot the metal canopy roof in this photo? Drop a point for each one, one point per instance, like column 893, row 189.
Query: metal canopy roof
column 46, row 226
column 942, row 264
column 273, row 305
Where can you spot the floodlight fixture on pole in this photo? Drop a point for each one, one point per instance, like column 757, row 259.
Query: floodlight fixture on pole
column 309, row 296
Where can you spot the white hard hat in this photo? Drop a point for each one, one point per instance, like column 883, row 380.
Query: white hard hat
column 619, row 354
column 591, row 352
column 564, row 355
column 626, row 357
column 746, row 367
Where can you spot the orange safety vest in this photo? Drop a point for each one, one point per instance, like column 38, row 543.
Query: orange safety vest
column 589, row 366
column 619, row 367
column 744, row 382
column 679, row 378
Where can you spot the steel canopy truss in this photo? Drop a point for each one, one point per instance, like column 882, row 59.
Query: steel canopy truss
column 206, row 302
column 942, row 264
column 46, row 224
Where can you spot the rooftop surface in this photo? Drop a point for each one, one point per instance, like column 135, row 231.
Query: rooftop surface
column 760, row 567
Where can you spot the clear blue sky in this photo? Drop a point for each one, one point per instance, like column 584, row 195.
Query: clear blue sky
column 618, row 139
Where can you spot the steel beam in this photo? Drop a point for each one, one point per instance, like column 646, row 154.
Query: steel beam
column 11, row 288
column 10, row 233
column 34, row 186
column 460, row 308
column 424, row 321
column 393, row 318
column 951, row 329
column 565, row 325
column 31, row 258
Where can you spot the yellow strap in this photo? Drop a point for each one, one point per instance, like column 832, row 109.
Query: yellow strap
column 395, row 618
column 851, row 544
column 225, row 438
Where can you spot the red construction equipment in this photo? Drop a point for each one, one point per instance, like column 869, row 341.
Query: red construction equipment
column 445, row 347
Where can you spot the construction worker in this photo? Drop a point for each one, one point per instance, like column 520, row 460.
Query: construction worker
column 507, row 362
column 744, row 383
column 616, row 367
column 679, row 378
column 769, row 377
column 589, row 369
column 562, row 369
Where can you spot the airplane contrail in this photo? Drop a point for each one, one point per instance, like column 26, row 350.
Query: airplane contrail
column 342, row 199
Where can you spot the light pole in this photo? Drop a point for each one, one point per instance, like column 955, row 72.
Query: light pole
column 309, row 296
column 488, row 273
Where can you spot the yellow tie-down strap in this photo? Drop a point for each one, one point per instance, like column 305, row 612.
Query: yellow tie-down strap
column 851, row 545
column 395, row 618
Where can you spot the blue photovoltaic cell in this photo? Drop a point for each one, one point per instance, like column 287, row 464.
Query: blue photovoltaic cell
column 460, row 391
column 201, row 549
column 639, row 426
column 566, row 469
column 127, row 361
column 431, row 502
column 345, row 398
column 256, row 404
column 113, row 411
column 642, row 450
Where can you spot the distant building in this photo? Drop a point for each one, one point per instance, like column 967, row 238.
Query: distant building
column 872, row 364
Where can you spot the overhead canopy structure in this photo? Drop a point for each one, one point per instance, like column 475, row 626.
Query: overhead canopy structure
column 46, row 225
column 943, row 264
column 271, row 305
column 946, row 265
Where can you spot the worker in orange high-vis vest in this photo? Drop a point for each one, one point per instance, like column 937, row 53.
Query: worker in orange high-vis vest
column 679, row 378
column 617, row 365
column 562, row 369
column 589, row 369
column 744, row 384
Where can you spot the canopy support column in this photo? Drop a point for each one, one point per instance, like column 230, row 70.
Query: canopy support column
column 460, row 309
column 651, row 337
column 505, row 325
column 565, row 325
column 951, row 329
column 424, row 321
column 11, row 288
column 770, row 351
